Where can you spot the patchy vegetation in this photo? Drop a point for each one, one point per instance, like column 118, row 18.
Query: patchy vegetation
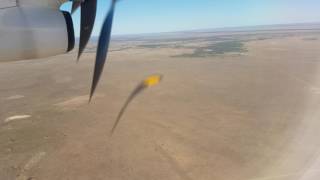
column 152, row 46
column 310, row 39
column 171, row 45
column 219, row 48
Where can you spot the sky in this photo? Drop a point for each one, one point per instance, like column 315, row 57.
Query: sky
column 150, row 16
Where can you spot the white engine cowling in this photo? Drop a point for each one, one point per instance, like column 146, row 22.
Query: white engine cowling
column 34, row 32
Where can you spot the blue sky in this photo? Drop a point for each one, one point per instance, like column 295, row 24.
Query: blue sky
column 148, row 16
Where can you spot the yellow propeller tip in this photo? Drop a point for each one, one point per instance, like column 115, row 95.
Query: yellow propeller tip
column 152, row 80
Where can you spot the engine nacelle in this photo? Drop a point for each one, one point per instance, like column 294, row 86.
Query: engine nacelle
column 34, row 32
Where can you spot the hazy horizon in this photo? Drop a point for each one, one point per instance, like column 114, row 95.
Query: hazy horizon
column 302, row 26
column 136, row 17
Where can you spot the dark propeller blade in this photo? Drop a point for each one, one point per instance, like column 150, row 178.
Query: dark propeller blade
column 135, row 92
column 88, row 16
column 75, row 5
column 103, row 47
column 146, row 83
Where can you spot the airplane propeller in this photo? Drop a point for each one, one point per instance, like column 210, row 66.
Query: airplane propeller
column 150, row 81
column 75, row 5
column 103, row 46
column 88, row 15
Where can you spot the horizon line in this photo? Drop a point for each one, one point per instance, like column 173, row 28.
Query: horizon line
column 226, row 28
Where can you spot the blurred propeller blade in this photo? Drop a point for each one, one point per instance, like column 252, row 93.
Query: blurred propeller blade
column 75, row 5
column 146, row 83
column 88, row 16
column 103, row 46
column 134, row 93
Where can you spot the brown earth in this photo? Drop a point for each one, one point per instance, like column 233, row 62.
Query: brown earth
column 252, row 115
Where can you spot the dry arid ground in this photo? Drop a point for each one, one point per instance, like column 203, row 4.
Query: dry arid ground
column 232, row 106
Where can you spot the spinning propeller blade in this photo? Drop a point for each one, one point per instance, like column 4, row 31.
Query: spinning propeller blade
column 146, row 83
column 75, row 5
column 88, row 16
column 103, row 46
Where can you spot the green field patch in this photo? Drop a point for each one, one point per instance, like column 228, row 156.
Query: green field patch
column 214, row 49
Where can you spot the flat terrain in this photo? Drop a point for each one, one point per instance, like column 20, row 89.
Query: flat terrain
column 232, row 106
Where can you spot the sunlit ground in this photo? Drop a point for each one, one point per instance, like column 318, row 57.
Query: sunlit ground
column 230, row 106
